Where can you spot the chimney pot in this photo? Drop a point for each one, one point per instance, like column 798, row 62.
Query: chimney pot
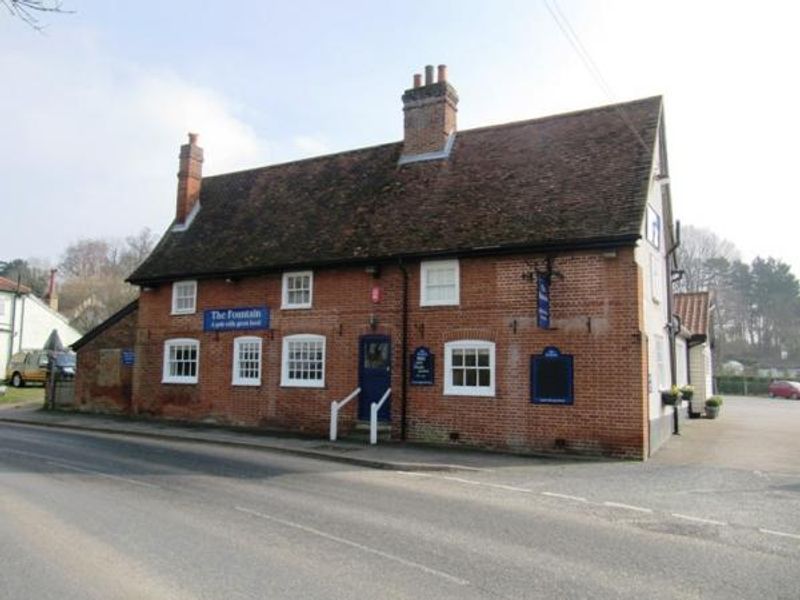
column 193, row 139
column 429, row 115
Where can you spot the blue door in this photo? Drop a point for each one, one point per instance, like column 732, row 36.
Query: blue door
column 374, row 375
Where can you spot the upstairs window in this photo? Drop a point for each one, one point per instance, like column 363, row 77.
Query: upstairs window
column 655, row 277
column 181, row 358
column 469, row 368
column 184, row 297
column 247, row 361
column 297, row 289
column 439, row 283
column 303, row 361
column 653, row 227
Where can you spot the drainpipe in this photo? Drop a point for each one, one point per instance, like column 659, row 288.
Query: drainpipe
column 13, row 324
column 404, row 354
column 676, row 428
column 21, row 323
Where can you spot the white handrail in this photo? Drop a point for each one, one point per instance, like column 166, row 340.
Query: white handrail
column 335, row 407
column 373, row 417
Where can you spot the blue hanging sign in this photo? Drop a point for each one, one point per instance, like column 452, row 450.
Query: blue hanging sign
column 128, row 357
column 422, row 367
column 543, row 302
column 552, row 377
column 234, row 319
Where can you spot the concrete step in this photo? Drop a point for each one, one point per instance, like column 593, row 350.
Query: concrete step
column 361, row 431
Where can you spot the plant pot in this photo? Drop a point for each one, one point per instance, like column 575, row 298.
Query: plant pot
column 670, row 400
column 712, row 412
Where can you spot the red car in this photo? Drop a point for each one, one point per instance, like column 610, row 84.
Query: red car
column 784, row 389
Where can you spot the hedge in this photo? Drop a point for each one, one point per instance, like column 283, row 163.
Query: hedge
column 742, row 386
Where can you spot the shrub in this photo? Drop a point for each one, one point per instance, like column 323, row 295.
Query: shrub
column 714, row 401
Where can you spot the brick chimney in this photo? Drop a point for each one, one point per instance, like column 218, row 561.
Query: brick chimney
column 429, row 115
column 190, row 175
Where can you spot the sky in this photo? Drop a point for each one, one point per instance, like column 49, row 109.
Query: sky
column 93, row 111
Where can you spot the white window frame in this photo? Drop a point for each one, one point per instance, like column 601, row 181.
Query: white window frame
column 428, row 265
column 286, row 381
column 655, row 277
column 661, row 363
column 653, row 225
column 464, row 390
column 184, row 311
column 165, row 373
column 236, row 378
column 285, row 304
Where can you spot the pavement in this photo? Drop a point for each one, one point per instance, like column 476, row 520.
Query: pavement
column 752, row 433
column 389, row 455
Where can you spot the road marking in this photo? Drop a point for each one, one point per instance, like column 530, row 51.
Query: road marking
column 101, row 474
column 461, row 480
column 413, row 474
column 698, row 519
column 628, row 507
column 564, row 496
column 509, row 488
column 65, row 465
column 794, row 536
column 346, row 542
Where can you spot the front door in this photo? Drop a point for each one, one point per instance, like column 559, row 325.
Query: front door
column 374, row 375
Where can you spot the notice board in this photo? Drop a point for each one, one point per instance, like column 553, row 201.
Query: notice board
column 552, row 377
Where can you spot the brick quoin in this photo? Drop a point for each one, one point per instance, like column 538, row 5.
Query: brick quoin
column 596, row 316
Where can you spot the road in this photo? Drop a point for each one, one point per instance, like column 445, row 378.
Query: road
column 87, row 515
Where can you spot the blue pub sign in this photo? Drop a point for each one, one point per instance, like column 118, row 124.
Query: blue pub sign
column 543, row 302
column 235, row 319
column 422, row 366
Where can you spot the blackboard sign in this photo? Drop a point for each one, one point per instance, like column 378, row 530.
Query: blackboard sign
column 543, row 302
column 228, row 319
column 128, row 358
column 422, row 367
column 551, row 377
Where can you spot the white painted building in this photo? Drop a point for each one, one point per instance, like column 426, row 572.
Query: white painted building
column 26, row 321
column 694, row 311
column 652, row 256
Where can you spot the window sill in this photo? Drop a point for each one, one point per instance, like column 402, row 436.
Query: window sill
column 312, row 386
column 183, row 312
column 179, row 382
column 470, row 393
column 247, row 384
column 298, row 307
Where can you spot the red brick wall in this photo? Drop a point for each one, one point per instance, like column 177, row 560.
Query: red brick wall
column 102, row 382
column 595, row 316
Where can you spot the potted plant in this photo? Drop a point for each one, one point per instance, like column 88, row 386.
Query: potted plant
column 672, row 396
column 687, row 392
column 712, row 407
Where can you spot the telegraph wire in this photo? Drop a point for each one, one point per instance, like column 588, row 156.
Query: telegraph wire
column 572, row 37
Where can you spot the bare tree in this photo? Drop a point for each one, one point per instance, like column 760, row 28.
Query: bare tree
column 704, row 258
column 94, row 273
column 30, row 11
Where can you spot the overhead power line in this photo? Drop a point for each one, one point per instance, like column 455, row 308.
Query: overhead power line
column 574, row 40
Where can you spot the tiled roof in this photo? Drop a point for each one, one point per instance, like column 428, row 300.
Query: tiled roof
column 693, row 310
column 571, row 179
column 6, row 285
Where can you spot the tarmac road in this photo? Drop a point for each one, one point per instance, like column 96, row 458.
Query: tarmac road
column 87, row 515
